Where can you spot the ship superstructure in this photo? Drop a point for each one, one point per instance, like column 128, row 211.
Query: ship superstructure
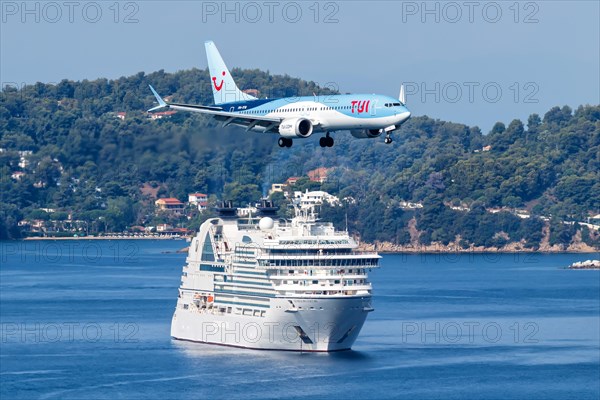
column 258, row 282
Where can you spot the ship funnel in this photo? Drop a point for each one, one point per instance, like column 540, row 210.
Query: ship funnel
column 267, row 208
column 226, row 209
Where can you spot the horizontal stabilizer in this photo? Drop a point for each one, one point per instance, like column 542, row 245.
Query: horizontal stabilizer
column 161, row 102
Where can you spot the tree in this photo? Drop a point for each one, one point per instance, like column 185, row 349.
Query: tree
column 498, row 128
column 533, row 123
column 241, row 194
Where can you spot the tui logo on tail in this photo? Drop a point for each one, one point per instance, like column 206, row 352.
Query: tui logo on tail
column 220, row 85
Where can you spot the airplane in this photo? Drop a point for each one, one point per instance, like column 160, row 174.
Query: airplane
column 364, row 115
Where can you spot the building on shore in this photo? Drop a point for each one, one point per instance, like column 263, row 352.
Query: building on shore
column 169, row 204
column 308, row 199
column 198, row 200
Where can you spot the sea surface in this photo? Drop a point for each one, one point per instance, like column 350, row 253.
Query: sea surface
column 90, row 319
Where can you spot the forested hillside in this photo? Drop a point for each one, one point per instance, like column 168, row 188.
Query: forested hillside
column 88, row 148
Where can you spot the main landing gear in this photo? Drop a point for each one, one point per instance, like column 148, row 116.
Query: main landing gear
column 326, row 141
column 388, row 139
column 285, row 142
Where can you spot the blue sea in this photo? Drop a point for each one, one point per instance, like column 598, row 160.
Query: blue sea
column 90, row 319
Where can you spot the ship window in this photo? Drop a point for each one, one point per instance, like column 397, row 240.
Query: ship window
column 246, row 239
column 207, row 249
column 212, row 268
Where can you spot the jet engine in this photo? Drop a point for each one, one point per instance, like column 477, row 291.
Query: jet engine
column 366, row 133
column 296, row 127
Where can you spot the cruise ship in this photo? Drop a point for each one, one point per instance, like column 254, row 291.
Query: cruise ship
column 259, row 282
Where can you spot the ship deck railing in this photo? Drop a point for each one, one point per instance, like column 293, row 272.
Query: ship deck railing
column 316, row 267
column 336, row 275
column 316, row 255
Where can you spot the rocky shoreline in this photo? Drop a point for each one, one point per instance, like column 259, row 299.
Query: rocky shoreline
column 519, row 247
column 109, row 237
column 588, row 264
column 390, row 248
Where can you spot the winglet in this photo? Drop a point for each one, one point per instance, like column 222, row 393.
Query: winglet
column 161, row 102
column 402, row 96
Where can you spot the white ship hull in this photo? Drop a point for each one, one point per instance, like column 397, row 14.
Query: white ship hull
column 326, row 325
column 260, row 284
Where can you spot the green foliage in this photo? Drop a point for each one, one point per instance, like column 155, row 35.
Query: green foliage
column 303, row 184
column 561, row 233
column 91, row 164
column 242, row 194
column 10, row 215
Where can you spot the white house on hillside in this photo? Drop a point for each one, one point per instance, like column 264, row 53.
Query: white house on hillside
column 318, row 197
column 199, row 200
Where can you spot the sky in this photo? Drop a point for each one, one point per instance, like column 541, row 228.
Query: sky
column 467, row 61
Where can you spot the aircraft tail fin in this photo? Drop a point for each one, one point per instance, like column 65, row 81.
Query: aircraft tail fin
column 223, row 86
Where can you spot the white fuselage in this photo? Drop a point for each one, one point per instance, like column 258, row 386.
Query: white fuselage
column 331, row 113
column 329, row 120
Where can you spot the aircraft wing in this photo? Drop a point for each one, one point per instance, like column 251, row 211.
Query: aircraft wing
column 269, row 124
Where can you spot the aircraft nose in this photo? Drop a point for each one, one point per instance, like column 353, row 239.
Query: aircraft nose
column 404, row 116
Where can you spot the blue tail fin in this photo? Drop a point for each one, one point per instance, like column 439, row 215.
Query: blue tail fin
column 161, row 102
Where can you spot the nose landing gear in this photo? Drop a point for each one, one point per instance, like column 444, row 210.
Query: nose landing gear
column 285, row 142
column 326, row 141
